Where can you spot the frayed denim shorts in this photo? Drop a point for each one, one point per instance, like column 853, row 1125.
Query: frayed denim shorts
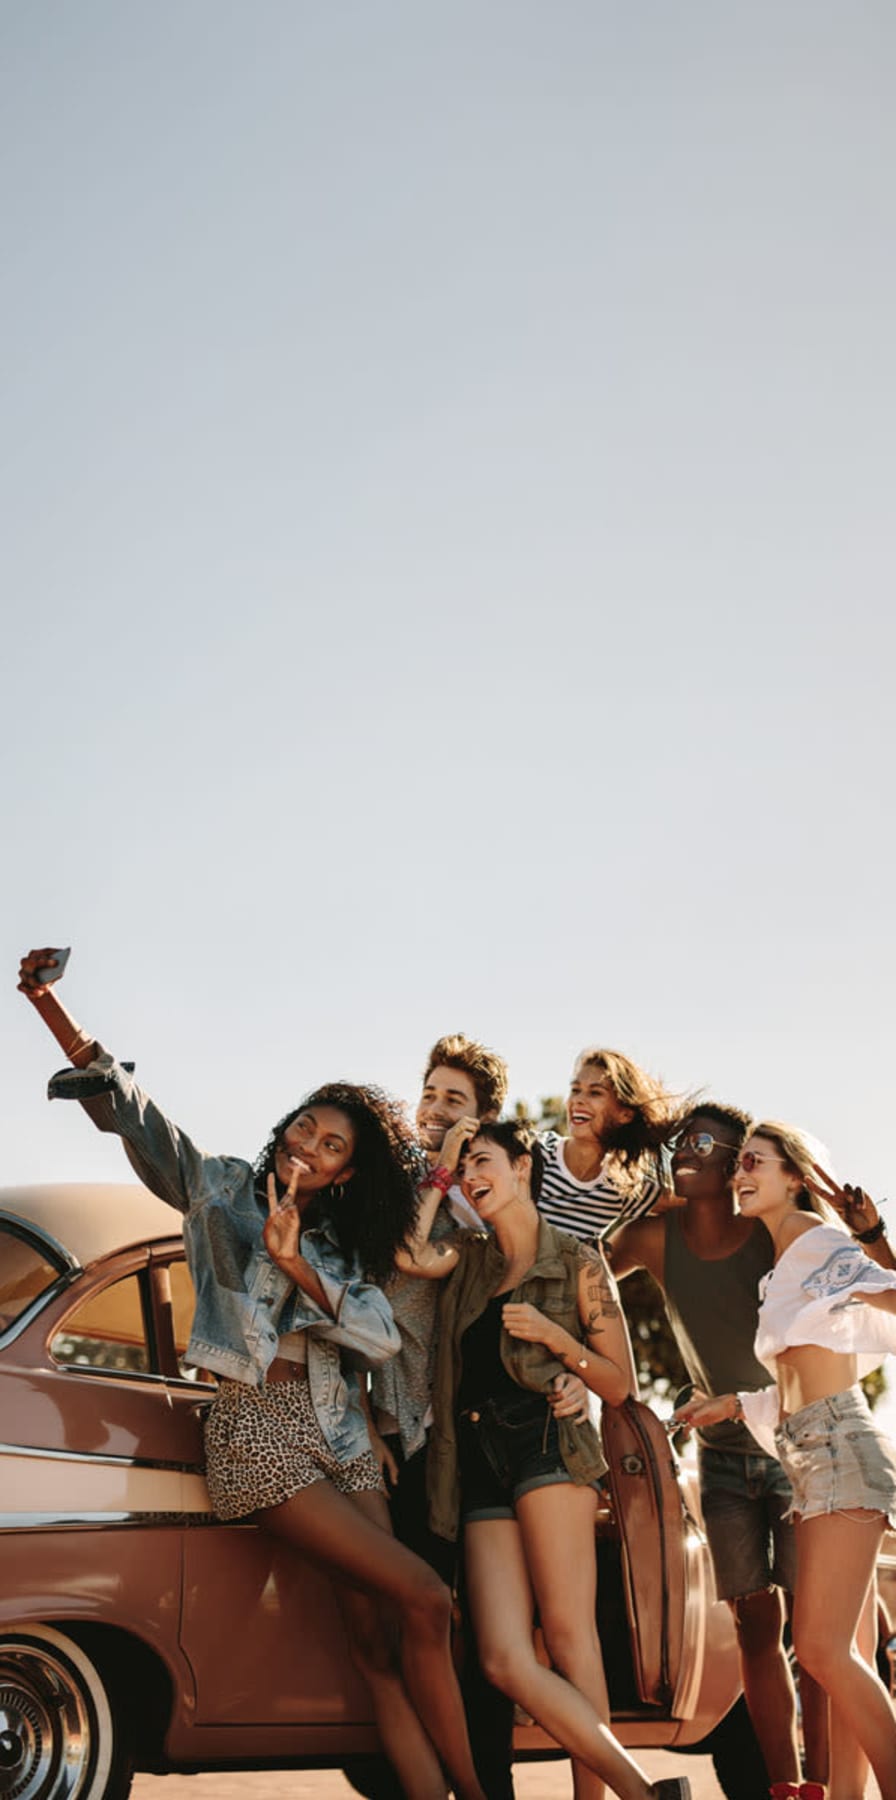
column 837, row 1459
column 507, row 1448
column 746, row 1505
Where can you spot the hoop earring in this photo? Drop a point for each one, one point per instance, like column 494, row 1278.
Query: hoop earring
column 337, row 1192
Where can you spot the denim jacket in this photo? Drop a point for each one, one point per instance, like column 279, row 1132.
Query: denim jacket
column 243, row 1301
column 552, row 1285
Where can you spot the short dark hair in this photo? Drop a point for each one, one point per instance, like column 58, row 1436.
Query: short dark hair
column 740, row 1123
column 486, row 1069
column 518, row 1138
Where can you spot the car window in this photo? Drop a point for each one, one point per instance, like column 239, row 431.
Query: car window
column 25, row 1273
column 107, row 1331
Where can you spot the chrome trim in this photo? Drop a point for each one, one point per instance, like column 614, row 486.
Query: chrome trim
column 99, row 1456
column 84, row 1371
column 64, row 1279
column 693, row 1646
column 39, row 1236
column 48, row 1521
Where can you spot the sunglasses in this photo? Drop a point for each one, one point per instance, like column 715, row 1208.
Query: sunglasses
column 748, row 1160
column 702, row 1143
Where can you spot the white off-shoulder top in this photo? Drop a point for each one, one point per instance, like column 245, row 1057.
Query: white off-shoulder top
column 814, row 1295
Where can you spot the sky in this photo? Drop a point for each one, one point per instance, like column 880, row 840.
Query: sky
column 447, row 550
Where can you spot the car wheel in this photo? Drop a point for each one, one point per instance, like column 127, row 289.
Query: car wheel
column 57, row 1736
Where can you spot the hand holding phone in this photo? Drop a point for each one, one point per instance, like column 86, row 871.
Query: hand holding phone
column 41, row 968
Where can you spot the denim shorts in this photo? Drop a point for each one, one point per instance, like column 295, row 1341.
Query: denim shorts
column 837, row 1458
column 507, row 1448
column 746, row 1507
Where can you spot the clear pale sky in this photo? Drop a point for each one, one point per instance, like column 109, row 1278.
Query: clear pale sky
column 448, row 549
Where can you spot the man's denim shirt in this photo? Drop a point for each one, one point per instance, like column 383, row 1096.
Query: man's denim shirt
column 243, row 1301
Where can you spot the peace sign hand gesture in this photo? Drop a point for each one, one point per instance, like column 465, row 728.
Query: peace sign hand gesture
column 856, row 1208
column 282, row 1227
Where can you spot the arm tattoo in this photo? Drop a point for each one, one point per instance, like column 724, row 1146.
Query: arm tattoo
column 600, row 1292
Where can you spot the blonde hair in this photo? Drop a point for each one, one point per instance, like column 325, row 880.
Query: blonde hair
column 658, row 1112
column 800, row 1157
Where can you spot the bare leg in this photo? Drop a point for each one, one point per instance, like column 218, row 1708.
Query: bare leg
column 353, row 1537
column 402, row 1736
column 848, row 1759
column 557, row 1528
column 768, row 1686
column 836, row 1556
column 502, row 1605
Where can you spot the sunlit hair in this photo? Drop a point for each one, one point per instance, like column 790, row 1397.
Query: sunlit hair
column 377, row 1208
column 790, row 1143
column 517, row 1138
column 634, row 1149
column 486, row 1069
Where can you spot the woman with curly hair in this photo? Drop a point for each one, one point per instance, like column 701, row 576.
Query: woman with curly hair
column 285, row 1255
column 608, row 1169
column 827, row 1316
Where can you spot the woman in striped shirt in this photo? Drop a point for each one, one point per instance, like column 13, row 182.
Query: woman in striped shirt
column 608, row 1170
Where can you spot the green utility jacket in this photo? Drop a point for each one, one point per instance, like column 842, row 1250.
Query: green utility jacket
column 552, row 1285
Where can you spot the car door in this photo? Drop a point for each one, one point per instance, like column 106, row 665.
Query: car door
column 260, row 1625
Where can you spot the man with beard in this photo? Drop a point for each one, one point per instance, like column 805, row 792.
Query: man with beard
column 464, row 1082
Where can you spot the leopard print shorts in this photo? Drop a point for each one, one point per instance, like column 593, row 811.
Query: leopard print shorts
column 262, row 1445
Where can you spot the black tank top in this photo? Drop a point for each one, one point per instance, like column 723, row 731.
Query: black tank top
column 483, row 1375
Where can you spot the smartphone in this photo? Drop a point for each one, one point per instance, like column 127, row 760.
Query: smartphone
column 45, row 976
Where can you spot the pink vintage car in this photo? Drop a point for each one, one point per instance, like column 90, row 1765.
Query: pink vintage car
column 136, row 1632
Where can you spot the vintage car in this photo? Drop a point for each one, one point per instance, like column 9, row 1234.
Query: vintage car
column 136, row 1632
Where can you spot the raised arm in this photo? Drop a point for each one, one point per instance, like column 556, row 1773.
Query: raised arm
column 74, row 1043
column 859, row 1213
column 159, row 1152
column 346, row 1309
column 420, row 1256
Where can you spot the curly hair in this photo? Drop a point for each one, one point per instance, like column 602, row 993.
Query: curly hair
column 518, row 1138
column 635, row 1149
column 486, row 1069
column 375, row 1212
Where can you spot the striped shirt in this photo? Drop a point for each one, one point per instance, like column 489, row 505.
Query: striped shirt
column 587, row 1209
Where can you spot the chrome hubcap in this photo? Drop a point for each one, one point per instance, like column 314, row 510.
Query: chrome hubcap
column 45, row 1736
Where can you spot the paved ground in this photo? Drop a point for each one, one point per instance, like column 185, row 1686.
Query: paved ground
column 533, row 1781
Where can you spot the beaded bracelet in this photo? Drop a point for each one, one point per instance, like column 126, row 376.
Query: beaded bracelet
column 873, row 1235
column 440, row 1178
